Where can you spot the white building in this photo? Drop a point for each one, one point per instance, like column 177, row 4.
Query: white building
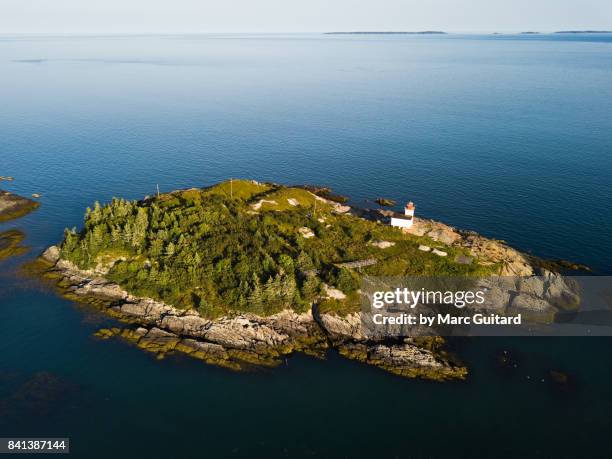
column 406, row 220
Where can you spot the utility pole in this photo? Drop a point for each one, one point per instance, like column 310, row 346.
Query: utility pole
column 158, row 191
column 232, row 187
column 315, row 207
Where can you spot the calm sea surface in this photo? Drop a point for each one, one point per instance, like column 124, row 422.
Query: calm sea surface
column 508, row 135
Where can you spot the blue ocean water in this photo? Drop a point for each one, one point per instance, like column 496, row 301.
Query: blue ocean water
column 509, row 135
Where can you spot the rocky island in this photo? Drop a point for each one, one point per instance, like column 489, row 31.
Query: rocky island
column 245, row 273
column 13, row 206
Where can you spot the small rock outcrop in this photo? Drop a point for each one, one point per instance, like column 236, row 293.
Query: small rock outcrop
column 13, row 206
column 383, row 244
column 513, row 262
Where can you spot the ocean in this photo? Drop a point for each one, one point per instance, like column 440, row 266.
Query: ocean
column 507, row 135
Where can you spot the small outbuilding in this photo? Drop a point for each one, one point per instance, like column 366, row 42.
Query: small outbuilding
column 406, row 219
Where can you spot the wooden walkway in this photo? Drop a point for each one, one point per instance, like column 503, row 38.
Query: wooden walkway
column 358, row 263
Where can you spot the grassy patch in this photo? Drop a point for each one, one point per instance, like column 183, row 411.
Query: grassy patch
column 238, row 189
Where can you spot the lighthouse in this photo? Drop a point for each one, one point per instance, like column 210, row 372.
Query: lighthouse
column 409, row 209
column 406, row 219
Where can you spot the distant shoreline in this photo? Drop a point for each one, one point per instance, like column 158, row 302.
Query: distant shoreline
column 584, row 31
column 437, row 32
column 425, row 32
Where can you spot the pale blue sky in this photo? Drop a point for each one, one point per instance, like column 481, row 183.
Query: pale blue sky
column 144, row 16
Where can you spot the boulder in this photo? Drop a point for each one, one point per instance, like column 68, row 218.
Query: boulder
column 342, row 328
column 334, row 293
column 533, row 308
column 188, row 325
column 531, row 285
column 444, row 234
column 306, row 232
column 383, row 244
column 52, row 254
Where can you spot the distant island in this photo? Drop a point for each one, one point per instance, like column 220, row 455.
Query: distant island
column 584, row 31
column 244, row 273
column 424, row 32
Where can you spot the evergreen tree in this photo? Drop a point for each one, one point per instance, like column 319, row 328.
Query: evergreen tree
column 304, row 262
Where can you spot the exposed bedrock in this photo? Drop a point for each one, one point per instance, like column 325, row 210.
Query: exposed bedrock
column 245, row 339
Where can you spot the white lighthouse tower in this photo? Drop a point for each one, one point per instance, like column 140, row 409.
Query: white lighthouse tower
column 404, row 220
column 409, row 209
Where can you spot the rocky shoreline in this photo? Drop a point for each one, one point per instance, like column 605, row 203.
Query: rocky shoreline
column 13, row 206
column 245, row 340
column 489, row 251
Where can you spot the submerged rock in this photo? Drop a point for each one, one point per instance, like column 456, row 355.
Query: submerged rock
column 385, row 202
column 558, row 377
column 10, row 244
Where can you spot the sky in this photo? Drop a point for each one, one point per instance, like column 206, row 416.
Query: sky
column 277, row 16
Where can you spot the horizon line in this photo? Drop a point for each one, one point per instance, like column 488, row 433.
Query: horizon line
column 355, row 31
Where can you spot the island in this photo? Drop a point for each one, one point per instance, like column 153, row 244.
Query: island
column 243, row 274
column 584, row 31
column 424, row 32
column 13, row 206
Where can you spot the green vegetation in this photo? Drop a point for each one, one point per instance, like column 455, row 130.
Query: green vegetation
column 245, row 247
